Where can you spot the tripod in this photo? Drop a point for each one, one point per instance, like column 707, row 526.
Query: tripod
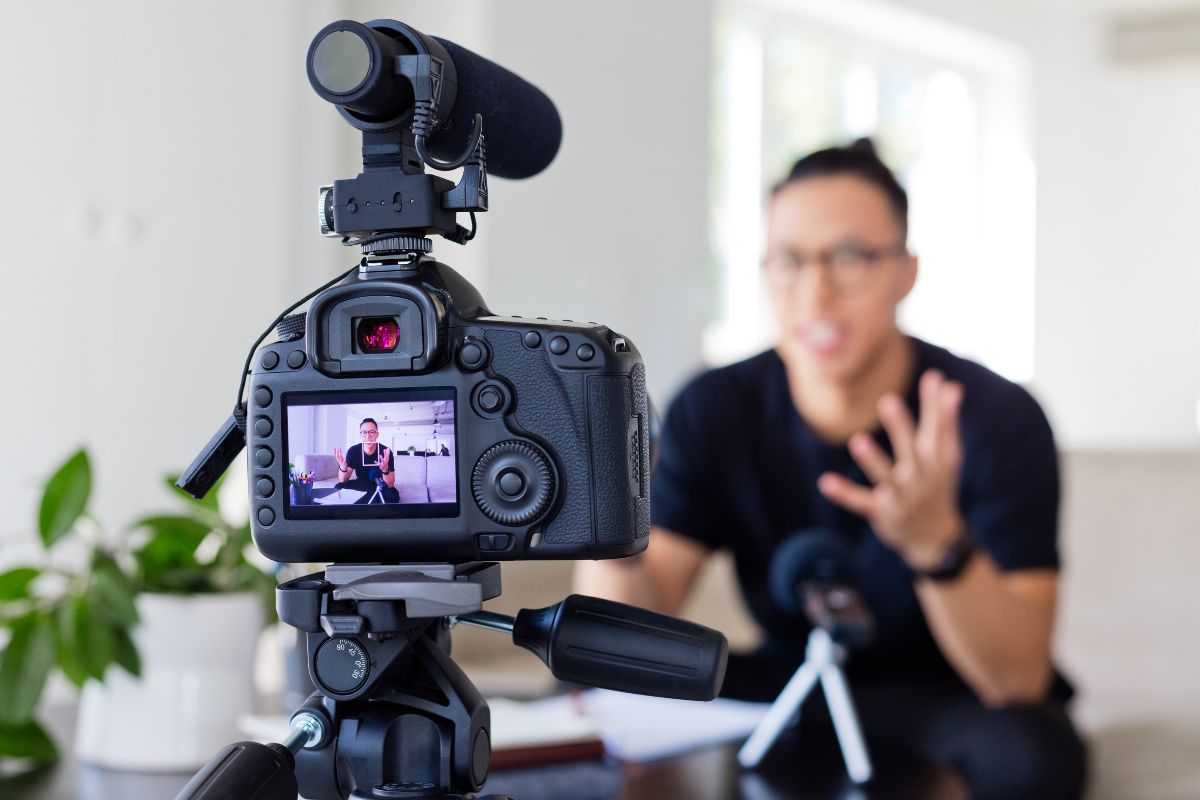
column 395, row 718
column 378, row 493
column 823, row 659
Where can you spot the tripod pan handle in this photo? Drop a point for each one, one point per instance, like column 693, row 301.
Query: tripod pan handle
column 616, row 646
column 245, row 769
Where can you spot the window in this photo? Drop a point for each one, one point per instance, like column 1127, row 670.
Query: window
column 948, row 109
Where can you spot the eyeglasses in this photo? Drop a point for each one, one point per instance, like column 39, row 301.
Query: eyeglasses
column 848, row 267
column 368, row 433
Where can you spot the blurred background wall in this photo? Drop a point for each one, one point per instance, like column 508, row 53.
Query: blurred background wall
column 161, row 161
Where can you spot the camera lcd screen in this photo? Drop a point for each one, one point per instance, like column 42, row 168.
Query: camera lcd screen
column 371, row 454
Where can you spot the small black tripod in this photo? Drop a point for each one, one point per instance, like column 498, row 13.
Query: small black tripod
column 394, row 717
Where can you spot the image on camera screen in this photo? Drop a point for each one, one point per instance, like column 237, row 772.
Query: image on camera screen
column 377, row 453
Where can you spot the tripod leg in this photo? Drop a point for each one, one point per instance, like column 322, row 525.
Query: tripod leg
column 845, row 723
column 782, row 711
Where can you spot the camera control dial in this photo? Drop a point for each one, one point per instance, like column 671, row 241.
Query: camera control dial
column 512, row 483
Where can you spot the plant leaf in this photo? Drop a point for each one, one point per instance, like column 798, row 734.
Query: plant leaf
column 24, row 666
column 27, row 740
column 65, row 498
column 192, row 579
column 70, row 659
column 93, row 638
column 125, row 652
column 113, row 592
column 14, row 584
column 179, row 525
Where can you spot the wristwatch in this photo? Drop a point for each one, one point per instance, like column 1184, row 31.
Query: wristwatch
column 954, row 560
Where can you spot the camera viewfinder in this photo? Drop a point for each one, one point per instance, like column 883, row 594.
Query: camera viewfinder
column 377, row 335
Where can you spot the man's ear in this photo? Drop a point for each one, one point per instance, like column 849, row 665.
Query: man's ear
column 907, row 278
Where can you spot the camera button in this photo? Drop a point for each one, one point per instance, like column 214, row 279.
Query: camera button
column 585, row 352
column 270, row 360
column 296, row 359
column 262, row 396
column 265, row 487
column 494, row 541
column 510, row 483
column 263, row 457
column 472, row 356
column 266, row 516
column 490, row 399
column 263, row 426
column 532, row 339
column 558, row 345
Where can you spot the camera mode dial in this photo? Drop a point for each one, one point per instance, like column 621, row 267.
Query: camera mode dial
column 512, row 483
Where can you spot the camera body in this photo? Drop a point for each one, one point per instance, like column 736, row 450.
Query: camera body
column 540, row 440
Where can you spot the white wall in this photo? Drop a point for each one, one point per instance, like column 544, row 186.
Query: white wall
column 1117, row 351
column 613, row 231
column 158, row 162
column 1119, row 274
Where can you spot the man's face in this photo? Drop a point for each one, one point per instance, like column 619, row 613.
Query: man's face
column 836, row 267
column 368, row 432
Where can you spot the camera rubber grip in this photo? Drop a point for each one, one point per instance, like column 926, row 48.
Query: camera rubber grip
column 596, row 427
column 616, row 646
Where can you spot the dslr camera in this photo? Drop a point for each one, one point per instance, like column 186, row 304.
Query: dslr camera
column 466, row 436
column 399, row 420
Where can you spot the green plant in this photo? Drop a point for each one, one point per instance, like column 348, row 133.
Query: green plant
column 79, row 621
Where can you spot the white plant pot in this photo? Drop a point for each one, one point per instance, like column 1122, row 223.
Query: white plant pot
column 197, row 678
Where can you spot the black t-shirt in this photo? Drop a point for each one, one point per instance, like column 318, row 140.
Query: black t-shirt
column 354, row 460
column 738, row 467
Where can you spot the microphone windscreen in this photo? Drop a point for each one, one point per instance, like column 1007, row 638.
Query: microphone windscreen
column 521, row 126
column 813, row 555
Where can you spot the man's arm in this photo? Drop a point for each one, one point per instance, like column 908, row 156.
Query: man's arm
column 658, row 579
column 994, row 627
column 344, row 469
column 389, row 463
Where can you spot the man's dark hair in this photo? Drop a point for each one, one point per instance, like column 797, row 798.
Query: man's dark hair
column 859, row 160
column 370, row 420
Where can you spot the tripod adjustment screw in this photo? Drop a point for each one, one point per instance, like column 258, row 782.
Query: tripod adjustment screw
column 309, row 730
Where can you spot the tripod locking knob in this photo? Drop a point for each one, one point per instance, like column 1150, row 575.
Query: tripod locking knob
column 341, row 665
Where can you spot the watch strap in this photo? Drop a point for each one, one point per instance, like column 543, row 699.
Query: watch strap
column 954, row 560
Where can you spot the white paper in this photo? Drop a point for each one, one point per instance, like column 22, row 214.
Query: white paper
column 637, row 728
column 342, row 497
column 516, row 724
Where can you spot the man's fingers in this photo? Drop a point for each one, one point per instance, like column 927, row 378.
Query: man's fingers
column 899, row 426
column 847, row 494
column 929, row 413
column 951, row 404
column 870, row 456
